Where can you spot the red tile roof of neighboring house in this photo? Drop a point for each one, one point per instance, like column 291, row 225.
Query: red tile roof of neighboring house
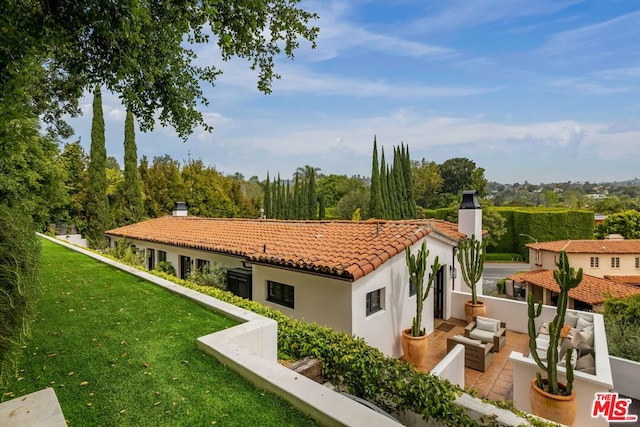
column 347, row 249
column 629, row 280
column 614, row 246
column 592, row 290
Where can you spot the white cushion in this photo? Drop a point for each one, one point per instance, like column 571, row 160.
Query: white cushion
column 571, row 319
column 487, row 324
column 466, row 340
column 484, row 336
column 586, row 337
column 586, row 362
column 582, row 323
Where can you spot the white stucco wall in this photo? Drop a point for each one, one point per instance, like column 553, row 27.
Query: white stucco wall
column 383, row 329
column 318, row 299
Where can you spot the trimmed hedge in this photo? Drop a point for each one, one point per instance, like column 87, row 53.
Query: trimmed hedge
column 351, row 363
column 544, row 224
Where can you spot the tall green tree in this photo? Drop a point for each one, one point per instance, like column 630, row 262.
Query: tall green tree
column 626, row 223
column 401, row 189
column 267, row 197
column 133, row 207
column 376, row 207
column 408, row 182
column 144, row 51
column 163, row 186
column 426, row 181
column 75, row 161
column 312, row 195
column 384, row 186
column 98, row 220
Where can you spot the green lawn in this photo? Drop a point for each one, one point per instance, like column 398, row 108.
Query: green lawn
column 121, row 351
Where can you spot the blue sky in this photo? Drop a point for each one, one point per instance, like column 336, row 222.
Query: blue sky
column 542, row 91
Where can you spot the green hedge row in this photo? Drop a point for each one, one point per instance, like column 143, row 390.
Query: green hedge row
column 351, row 363
column 544, row 224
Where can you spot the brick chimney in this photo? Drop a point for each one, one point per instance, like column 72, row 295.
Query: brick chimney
column 470, row 215
column 180, row 209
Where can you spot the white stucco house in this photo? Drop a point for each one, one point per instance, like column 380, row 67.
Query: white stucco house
column 348, row 275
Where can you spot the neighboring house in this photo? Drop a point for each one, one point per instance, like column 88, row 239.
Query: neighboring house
column 599, row 258
column 348, row 275
column 588, row 296
column 610, row 266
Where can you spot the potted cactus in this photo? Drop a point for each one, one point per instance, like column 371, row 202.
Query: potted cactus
column 549, row 398
column 471, row 254
column 414, row 339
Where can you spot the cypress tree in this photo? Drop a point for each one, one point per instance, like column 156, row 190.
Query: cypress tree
column 287, row 202
column 277, row 198
column 394, row 212
column 408, row 182
column 97, row 202
column 384, row 186
column 134, row 209
column 267, row 198
column 321, row 208
column 296, row 198
column 398, row 176
column 375, row 203
column 312, row 195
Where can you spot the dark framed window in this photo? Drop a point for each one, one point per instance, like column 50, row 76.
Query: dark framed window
column 615, row 262
column 162, row 256
column 185, row 267
column 595, row 262
column 412, row 288
column 280, row 293
column 201, row 264
column 374, row 301
column 637, row 262
column 151, row 258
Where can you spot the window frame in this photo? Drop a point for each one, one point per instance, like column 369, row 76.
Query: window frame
column 615, row 262
column 374, row 305
column 201, row 263
column 637, row 262
column 162, row 256
column 281, row 294
column 594, row 262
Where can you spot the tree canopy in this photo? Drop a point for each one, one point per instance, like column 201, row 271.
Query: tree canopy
column 143, row 51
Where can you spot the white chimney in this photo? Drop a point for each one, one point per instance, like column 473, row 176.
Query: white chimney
column 470, row 215
column 180, row 209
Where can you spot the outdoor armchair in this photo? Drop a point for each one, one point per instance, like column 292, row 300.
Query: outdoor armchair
column 487, row 330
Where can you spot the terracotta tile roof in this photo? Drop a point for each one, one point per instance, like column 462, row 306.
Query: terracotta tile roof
column 629, row 280
column 346, row 249
column 592, row 290
column 631, row 246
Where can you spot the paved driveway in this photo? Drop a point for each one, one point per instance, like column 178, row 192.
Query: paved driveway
column 494, row 271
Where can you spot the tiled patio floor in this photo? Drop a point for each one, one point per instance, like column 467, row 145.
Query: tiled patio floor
column 496, row 383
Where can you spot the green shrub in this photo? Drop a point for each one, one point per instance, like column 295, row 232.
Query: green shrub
column 622, row 322
column 505, row 257
column 165, row 267
column 126, row 253
column 19, row 256
column 210, row 275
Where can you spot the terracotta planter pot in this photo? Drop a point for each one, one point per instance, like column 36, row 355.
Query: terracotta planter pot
column 471, row 310
column 561, row 409
column 414, row 348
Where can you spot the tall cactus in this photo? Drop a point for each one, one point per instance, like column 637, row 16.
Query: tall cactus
column 567, row 278
column 471, row 254
column 417, row 268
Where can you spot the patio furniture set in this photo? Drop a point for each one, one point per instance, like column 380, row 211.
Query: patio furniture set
column 482, row 338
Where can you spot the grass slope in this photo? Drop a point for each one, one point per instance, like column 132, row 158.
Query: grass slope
column 121, row 351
